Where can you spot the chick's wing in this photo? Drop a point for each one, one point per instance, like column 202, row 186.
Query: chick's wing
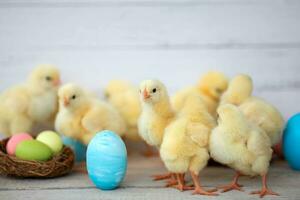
column 198, row 133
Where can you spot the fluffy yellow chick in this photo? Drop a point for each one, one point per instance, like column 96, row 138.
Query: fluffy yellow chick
column 125, row 98
column 210, row 87
column 241, row 145
column 258, row 111
column 185, row 142
column 34, row 102
column 156, row 112
column 81, row 115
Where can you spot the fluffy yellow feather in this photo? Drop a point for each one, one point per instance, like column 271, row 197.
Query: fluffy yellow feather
column 210, row 87
column 156, row 112
column 32, row 103
column 185, row 142
column 81, row 115
column 241, row 145
column 125, row 98
column 258, row 111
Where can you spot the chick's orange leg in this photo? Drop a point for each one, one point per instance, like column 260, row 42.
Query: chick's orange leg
column 160, row 177
column 198, row 189
column 264, row 191
column 149, row 152
column 172, row 181
column 233, row 185
column 181, row 183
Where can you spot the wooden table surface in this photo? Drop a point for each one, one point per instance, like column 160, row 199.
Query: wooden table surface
column 139, row 185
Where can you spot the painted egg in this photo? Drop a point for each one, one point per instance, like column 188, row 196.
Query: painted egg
column 291, row 142
column 78, row 148
column 33, row 150
column 51, row 139
column 15, row 140
column 106, row 160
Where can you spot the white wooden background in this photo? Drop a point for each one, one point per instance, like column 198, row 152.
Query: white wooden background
column 176, row 41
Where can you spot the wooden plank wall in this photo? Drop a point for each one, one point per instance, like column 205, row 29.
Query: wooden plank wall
column 176, row 41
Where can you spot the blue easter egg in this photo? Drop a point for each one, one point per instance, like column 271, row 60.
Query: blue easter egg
column 78, row 148
column 291, row 142
column 106, row 160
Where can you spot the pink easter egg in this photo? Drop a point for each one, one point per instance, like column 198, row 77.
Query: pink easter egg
column 15, row 140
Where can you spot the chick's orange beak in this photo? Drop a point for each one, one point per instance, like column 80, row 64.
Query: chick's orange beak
column 66, row 102
column 146, row 94
column 57, row 82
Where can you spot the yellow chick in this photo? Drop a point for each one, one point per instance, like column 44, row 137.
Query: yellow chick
column 117, row 86
column 5, row 123
column 125, row 98
column 81, row 115
column 185, row 143
column 210, row 87
column 32, row 103
column 241, row 145
column 157, row 112
column 258, row 111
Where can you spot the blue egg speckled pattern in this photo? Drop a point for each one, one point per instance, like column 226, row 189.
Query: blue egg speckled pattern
column 291, row 142
column 106, row 160
column 78, row 148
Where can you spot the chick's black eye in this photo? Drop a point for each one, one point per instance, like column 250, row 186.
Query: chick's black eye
column 48, row 78
column 218, row 90
column 74, row 97
column 154, row 90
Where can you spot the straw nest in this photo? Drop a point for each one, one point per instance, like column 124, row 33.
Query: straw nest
column 59, row 165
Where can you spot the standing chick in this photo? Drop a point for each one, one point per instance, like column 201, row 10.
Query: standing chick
column 241, row 145
column 185, row 143
column 210, row 87
column 81, row 115
column 258, row 111
column 125, row 98
column 156, row 113
column 34, row 102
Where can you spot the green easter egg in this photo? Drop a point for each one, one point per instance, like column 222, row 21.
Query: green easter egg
column 52, row 140
column 33, row 150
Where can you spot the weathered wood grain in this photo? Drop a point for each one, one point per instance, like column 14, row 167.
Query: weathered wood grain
column 140, row 3
column 187, row 27
column 290, row 193
column 138, row 184
column 177, row 68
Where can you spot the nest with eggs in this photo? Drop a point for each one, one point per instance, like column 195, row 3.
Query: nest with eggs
column 59, row 165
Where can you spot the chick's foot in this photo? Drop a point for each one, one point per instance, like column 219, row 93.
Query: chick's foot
column 201, row 191
column 233, row 185
column 149, row 152
column 198, row 189
column 171, row 182
column 181, row 183
column 264, row 191
column 162, row 177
